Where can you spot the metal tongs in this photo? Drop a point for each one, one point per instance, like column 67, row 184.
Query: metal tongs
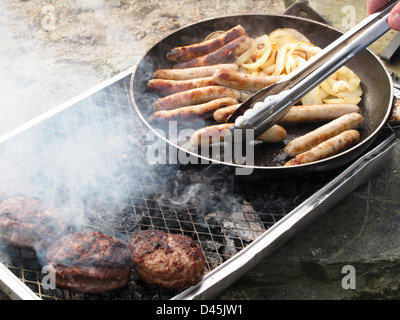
column 278, row 98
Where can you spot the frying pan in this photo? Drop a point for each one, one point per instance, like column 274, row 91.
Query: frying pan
column 375, row 106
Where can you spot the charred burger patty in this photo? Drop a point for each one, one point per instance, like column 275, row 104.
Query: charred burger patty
column 172, row 261
column 28, row 223
column 90, row 262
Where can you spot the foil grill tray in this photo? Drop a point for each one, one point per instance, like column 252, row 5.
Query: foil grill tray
column 89, row 156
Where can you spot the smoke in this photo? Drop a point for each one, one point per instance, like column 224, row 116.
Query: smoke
column 86, row 160
column 209, row 189
column 75, row 159
column 81, row 161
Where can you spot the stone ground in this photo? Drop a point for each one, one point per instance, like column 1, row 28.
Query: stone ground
column 57, row 49
column 53, row 50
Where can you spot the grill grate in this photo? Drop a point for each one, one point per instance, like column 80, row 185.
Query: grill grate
column 90, row 158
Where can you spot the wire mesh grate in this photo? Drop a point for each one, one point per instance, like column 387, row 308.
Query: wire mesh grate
column 90, row 159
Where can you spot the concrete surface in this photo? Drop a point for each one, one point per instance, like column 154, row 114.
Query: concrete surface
column 361, row 231
column 57, row 49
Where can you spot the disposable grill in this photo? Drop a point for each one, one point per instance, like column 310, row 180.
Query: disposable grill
column 90, row 156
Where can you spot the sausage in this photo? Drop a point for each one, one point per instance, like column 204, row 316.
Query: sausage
column 205, row 136
column 317, row 113
column 221, row 115
column 243, row 81
column 275, row 134
column 226, row 54
column 191, row 73
column 195, row 96
column 395, row 116
column 300, row 114
column 192, row 51
column 326, row 149
column 204, row 110
column 164, row 87
column 217, row 133
column 325, row 132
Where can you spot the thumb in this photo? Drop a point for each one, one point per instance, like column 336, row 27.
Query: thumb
column 394, row 18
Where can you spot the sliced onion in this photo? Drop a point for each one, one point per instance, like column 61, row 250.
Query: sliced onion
column 355, row 100
column 298, row 35
column 323, row 94
column 309, row 48
column 313, row 97
column 268, row 48
column 214, row 35
column 290, row 63
column 341, row 85
column 270, row 61
column 280, row 61
column 288, row 33
column 326, row 85
column 299, row 60
column 351, row 94
column 247, row 54
column 269, row 70
column 284, row 50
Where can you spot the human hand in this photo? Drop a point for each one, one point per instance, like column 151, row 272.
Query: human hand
column 394, row 17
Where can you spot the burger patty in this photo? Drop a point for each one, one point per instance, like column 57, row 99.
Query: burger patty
column 28, row 223
column 172, row 261
column 90, row 262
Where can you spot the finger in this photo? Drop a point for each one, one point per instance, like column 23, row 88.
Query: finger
column 374, row 5
column 394, row 18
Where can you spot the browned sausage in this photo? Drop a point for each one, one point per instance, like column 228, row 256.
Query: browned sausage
column 275, row 134
column 300, row 114
column 226, row 54
column 164, row 87
column 217, row 133
column 207, row 135
column 195, row 96
column 221, row 115
column 328, row 148
column 395, row 117
column 243, row 81
column 323, row 133
column 204, row 110
column 192, row 73
column 192, row 51
column 317, row 113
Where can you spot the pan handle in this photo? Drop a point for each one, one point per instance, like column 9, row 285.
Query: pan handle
column 303, row 10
